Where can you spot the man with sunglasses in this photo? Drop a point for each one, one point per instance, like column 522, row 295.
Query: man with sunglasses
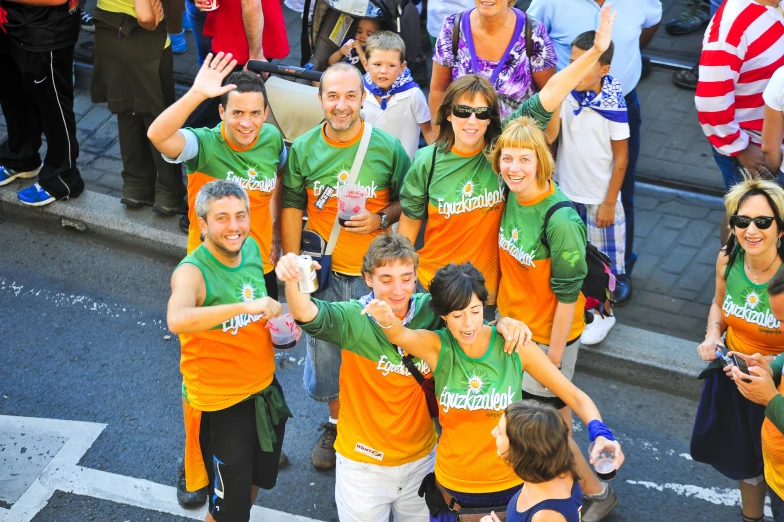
column 320, row 161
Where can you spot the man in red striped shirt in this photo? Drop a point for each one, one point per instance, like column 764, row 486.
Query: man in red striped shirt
column 742, row 48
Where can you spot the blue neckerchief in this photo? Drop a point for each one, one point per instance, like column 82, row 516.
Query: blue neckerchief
column 364, row 300
column 402, row 83
column 611, row 105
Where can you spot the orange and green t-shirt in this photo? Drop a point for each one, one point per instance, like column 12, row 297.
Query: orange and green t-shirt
column 472, row 395
column 534, row 279
column 751, row 326
column 463, row 205
column 384, row 418
column 230, row 362
column 315, row 161
column 772, row 436
column 255, row 168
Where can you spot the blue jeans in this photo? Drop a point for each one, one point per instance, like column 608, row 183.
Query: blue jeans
column 197, row 18
column 322, row 362
column 627, row 189
column 777, row 506
column 730, row 168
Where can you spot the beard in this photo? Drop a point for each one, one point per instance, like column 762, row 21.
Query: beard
column 332, row 118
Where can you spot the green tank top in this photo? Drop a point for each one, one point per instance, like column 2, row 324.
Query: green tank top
column 226, row 285
column 473, row 394
column 751, row 326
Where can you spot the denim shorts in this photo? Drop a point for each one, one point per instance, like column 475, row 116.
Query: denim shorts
column 322, row 362
column 730, row 167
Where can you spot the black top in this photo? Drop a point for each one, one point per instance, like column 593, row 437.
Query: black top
column 42, row 28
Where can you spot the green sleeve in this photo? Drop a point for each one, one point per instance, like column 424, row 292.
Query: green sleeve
column 330, row 323
column 777, row 366
column 414, row 194
column 400, row 165
column 206, row 138
column 567, row 252
column 533, row 109
column 295, row 194
column 775, row 412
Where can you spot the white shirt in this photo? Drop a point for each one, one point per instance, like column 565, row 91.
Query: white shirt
column 438, row 10
column 585, row 158
column 774, row 96
column 405, row 111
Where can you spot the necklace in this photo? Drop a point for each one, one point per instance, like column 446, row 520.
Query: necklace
column 755, row 273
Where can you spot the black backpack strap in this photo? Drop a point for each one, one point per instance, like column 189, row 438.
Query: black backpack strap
column 408, row 362
column 529, row 37
column 456, row 35
column 430, row 176
column 548, row 215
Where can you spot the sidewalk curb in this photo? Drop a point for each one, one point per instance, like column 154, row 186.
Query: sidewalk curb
column 629, row 354
column 101, row 216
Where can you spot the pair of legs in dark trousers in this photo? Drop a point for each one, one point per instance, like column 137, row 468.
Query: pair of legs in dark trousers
column 627, row 189
column 36, row 94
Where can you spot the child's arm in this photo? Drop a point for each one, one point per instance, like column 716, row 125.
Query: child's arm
column 361, row 53
column 338, row 55
column 606, row 214
column 553, row 127
column 427, row 131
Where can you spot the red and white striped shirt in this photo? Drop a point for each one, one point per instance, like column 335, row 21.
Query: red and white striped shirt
column 742, row 48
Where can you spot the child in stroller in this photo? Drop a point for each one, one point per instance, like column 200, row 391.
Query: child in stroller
column 353, row 49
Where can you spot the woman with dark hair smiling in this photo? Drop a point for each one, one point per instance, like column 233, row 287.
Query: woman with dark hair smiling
column 475, row 382
column 727, row 430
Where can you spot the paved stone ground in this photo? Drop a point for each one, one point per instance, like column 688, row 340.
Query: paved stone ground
column 677, row 234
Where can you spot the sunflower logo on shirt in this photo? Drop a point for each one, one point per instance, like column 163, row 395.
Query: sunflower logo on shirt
column 252, row 173
column 248, row 291
column 467, row 188
column 752, row 299
column 475, row 381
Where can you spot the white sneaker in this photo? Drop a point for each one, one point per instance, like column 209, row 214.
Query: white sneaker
column 595, row 332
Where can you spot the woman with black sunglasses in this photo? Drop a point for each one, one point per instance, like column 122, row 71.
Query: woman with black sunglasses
column 727, row 430
column 451, row 182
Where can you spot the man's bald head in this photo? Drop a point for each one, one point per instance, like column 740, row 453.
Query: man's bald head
column 340, row 67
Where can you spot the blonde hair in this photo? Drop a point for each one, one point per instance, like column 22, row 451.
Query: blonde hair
column 753, row 185
column 385, row 41
column 524, row 133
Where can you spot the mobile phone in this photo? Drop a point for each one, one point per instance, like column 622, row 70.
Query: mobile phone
column 742, row 366
column 721, row 348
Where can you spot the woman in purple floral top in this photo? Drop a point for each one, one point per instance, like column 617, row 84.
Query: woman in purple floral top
column 492, row 43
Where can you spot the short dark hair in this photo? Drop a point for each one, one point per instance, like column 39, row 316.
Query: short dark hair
column 245, row 81
column 776, row 283
column 538, row 442
column 585, row 41
column 453, row 286
column 389, row 248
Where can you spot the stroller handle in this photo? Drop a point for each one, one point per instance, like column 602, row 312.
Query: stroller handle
column 258, row 66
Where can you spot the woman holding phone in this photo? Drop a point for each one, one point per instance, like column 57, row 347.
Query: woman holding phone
column 727, row 430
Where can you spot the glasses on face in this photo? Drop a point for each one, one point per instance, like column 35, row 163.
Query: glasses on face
column 465, row 111
column 761, row 222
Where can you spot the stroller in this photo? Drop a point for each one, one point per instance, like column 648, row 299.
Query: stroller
column 333, row 20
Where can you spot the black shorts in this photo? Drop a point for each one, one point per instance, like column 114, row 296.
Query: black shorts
column 234, row 460
column 555, row 402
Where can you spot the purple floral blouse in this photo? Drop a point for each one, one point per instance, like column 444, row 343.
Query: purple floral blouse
column 513, row 81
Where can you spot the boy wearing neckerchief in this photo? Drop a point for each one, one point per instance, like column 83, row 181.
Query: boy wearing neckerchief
column 395, row 103
column 593, row 153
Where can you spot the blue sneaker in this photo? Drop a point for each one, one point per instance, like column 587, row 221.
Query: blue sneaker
column 186, row 22
column 35, row 196
column 8, row 175
column 178, row 43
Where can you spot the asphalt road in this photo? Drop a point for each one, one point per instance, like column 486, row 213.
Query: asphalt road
column 82, row 329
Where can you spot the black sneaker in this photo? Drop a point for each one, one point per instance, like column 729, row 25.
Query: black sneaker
column 87, row 22
column 179, row 208
column 135, row 203
column 324, row 450
column 185, row 498
column 694, row 15
column 623, row 291
column 688, row 78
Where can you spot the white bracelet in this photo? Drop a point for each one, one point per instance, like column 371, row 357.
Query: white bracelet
column 387, row 327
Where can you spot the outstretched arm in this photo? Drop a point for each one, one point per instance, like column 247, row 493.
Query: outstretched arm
column 420, row 343
column 164, row 132
column 302, row 308
column 563, row 82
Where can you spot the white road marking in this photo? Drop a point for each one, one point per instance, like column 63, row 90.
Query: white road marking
column 718, row 496
column 62, row 473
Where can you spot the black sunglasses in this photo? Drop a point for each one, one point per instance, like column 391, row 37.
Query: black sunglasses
column 464, row 111
column 762, row 222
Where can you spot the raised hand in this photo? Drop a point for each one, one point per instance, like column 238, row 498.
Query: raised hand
column 212, row 73
column 604, row 31
column 380, row 311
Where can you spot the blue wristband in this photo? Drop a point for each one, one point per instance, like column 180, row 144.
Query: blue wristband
column 597, row 428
